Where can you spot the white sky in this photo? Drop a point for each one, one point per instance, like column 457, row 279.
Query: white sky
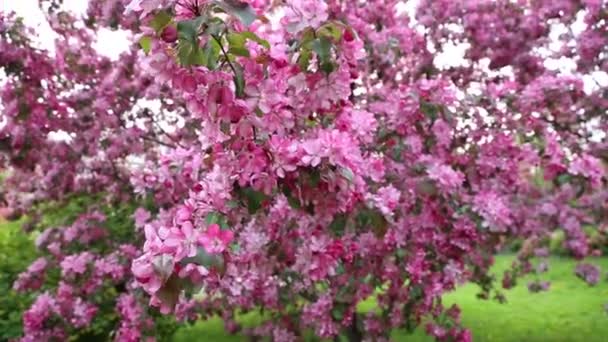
column 109, row 43
column 112, row 43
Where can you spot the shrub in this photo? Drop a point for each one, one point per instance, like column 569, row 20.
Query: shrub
column 16, row 253
column 80, row 276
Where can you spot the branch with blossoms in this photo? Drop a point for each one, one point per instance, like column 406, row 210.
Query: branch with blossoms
column 324, row 155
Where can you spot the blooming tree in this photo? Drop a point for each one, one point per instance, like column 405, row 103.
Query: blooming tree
column 301, row 156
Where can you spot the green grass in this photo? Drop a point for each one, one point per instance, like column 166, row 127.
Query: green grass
column 7, row 228
column 571, row 311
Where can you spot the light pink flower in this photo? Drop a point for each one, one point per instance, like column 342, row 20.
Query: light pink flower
column 184, row 239
column 447, row 178
column 215, row 240
column 141, row 216
column 314, row 152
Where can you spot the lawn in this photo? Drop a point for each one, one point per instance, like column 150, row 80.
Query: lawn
column 571, row 311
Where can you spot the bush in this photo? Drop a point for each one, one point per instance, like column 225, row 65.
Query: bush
column 16, row 252
column 80, row 275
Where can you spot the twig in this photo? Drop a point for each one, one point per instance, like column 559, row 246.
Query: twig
column 218, row 40
column 145, row 137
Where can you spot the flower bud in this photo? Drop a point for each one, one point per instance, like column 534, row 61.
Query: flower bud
column 348, row 35
column 169, row 34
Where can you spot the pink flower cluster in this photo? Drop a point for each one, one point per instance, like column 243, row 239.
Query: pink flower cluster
column 169, row 251
column 589, row 273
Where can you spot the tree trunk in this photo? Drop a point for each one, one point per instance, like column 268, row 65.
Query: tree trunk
column 352, row 333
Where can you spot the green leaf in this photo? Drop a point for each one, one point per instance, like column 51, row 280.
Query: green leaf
column 211, row 54
column 340, row 269
column 371, row 218
column 429, row 109
column 237, row 41
column 253, row 37
column 304, row 59
column 232, row 204
column 190, row 54
column 327, row 67
column 563, row 179
column 322, row 47
column 242, row 10
column 253, row 198
column 332, row 30
column 205, row 259
column 416, row 292
column 239, row 80
column 188, row 51
column 337, row 314
column 315, row 177
column 213, row 218
column 214, row 26
column 307, row 36
column 348, row 174
column 160, row 21
column 237, row 44
column 146, row 44
column 338, row 224
column 239, row 51
column 305, row 45
column 188, row 30
column 258, row 112
column 293, row 202
column 217, row 218
column 401, row 253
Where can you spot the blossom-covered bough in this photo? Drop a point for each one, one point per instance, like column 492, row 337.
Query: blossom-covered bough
column 301, row 156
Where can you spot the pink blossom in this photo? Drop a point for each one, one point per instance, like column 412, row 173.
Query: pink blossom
column 588, row 166
column 589, row 273
column 195, row 272
column 443, row 133
column 141, row 216
column 494, row 210
column 39, row 265
column 362, row 123
column 184, row 239
column 146, row 275
column 44, row 306
column 445, row 176
column 215, row 240
column 143, row 6
column 33, row 277
column 386, row 199
column 314, row 152
column 302, row 14
column 77, row 263
column 83, row 313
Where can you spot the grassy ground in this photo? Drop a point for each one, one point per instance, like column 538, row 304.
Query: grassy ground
column 571, row 311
